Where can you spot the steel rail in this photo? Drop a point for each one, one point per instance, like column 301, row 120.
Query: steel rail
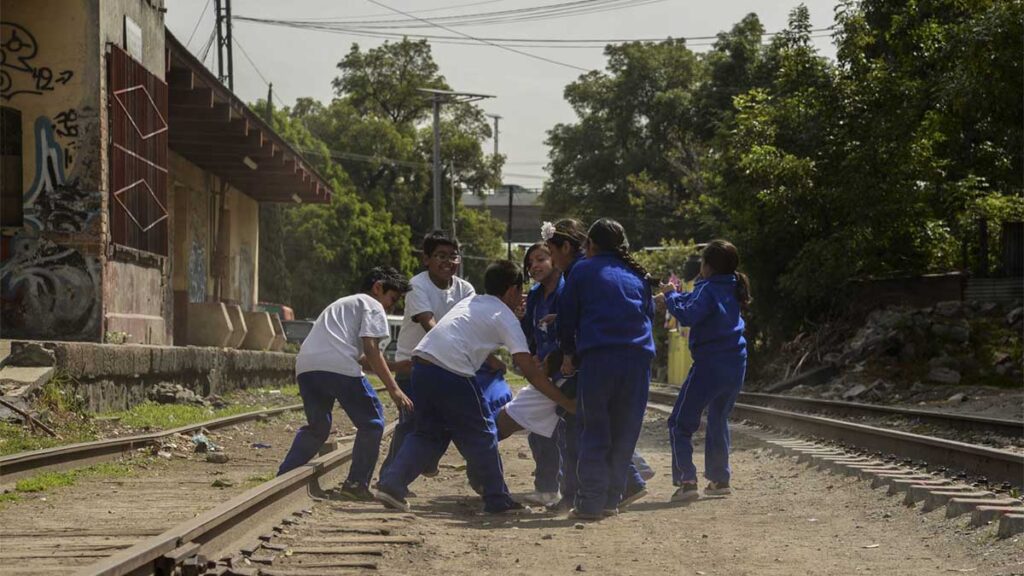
column 993, row 464
column 16, row 466
column 214, row 531
column 1002, row 427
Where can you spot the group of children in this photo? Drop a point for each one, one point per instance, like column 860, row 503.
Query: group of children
column 582, row 339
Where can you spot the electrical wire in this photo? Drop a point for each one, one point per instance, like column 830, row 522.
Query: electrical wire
column 256, row 68
column 198, row 22
column 495, row 44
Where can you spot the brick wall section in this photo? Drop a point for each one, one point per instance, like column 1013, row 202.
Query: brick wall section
column 117, row 377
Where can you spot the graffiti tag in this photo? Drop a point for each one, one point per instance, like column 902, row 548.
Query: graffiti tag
column 49, row 291
column 18, row 72
column 53, row 202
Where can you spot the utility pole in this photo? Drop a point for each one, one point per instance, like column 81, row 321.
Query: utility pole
column 222, row 10
column 508, row 231
column 270, row 104
column 438, row 97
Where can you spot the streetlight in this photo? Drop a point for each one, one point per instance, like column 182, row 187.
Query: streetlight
column 438, row 97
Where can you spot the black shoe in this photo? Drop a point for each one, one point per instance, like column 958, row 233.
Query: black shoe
column 687, row 492
column 355, row 492
column 575, row 514
column 512, row 508
column 561, row 507
column 632, row 497
column 717, row 489
column 391, row 501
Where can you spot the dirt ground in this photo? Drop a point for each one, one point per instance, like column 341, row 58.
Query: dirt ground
column 782, row 519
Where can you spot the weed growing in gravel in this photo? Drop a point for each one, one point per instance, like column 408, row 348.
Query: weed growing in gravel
column 8, row 498
column 153, row 416
column 45, row 481
column 257, row 479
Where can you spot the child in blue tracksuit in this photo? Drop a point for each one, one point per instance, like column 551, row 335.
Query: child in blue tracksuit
column 605, row 321
column 328, row 369
column 719, row 350
column 540, row 302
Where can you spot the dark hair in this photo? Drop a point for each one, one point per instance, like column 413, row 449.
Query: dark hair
column 536, row 246
column 438, row 238
column 569, row 230
column 722, row 257
column 500, row 276
column 391, row 279
column 607, row 235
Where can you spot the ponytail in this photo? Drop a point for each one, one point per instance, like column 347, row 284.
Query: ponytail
column 637, row 267
column 743, row 291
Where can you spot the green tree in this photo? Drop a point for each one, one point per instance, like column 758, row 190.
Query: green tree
column 631, row 154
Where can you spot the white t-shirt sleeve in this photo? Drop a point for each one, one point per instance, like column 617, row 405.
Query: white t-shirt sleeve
column 467, row 289
column 418, row 301
column 375, row 322
column 511, row 332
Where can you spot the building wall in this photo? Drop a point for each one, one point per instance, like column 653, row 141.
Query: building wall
column 195, row 228
column 61, row 279
column 51, row 270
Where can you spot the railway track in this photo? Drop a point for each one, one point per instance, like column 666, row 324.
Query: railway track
column 994, row 465
column 17, row 466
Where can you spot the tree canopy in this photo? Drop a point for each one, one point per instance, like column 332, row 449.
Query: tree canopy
column 888, row 160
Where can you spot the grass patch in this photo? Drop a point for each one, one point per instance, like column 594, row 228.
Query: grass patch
column 46, row 481
column 258, row 479
column 153, row 416
column 14, row 438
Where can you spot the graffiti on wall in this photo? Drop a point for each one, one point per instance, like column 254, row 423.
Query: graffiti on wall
column 246, row 276
column 197, row 257
column 54, row 201
column 49, row 291
column 20, row 72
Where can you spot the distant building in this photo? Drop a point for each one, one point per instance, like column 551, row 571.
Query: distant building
column 526, row 209
column 131, row 180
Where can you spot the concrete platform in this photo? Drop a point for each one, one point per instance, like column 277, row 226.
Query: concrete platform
column 23, row 380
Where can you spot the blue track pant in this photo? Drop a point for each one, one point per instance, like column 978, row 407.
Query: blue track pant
column 713, row 384
column 319, row 390
column 449, row 406
column 610, row 404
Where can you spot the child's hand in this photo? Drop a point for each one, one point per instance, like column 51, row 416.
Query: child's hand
column 568, row 369
column 668, row 288
column 402, row 401
column 547, row 319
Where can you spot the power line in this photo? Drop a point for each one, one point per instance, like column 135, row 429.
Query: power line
column 198, row 22
column 439, row 9
column 496, row 45
column 524, row 14
column 256, row 69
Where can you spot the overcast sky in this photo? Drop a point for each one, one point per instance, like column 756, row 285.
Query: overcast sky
column 529, row 92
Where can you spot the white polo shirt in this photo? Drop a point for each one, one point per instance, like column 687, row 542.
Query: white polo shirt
column 335, row 342
column 469, row 332
column 425, row 296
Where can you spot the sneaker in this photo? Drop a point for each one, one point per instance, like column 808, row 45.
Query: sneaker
column 355, row 492
column 647, row 473
column 391, row 501
column 628, row 499
column 575, row 514
column 542, row 498
column 687, row 492
column 431, row 473
column 717, row 489
column 562, row 506
column 408, row 493
column 512, row 508
column 609, row 512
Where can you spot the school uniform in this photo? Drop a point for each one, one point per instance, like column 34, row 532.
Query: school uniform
column 449, row 402
column 719, row 353
column 544, row 443
column 605, row 319
column 327, row 369
column 424, row 296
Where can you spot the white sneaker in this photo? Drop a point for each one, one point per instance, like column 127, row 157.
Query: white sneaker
column 542, row 498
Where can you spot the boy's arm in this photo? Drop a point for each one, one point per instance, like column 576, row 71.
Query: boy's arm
column 535, row 374
column 376, row 361
column 426, row 320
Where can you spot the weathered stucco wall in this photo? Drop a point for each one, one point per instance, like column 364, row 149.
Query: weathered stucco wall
column 51, row 271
